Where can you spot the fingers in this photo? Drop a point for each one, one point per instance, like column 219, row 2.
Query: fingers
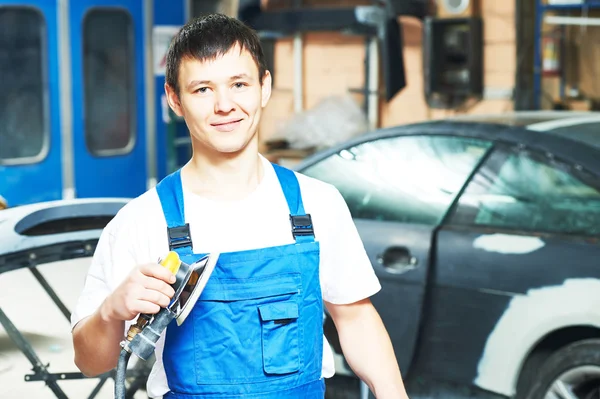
column 157, row 271
column 155, row 297
column 155, row 284
column 146, row 307
column 146, row 290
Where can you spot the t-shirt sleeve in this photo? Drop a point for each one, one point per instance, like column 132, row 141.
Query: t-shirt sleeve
column 101, row 278
column 347, row 275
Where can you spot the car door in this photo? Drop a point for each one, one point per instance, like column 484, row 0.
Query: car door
column 108, row 68
column 516, row 261
column 30, row 134
column 398, row 189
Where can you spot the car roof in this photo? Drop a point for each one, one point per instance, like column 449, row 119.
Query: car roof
column 526, row 118
column 579, row 126
column 530, row 132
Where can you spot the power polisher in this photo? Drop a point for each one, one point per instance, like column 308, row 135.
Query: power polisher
column 142, row 336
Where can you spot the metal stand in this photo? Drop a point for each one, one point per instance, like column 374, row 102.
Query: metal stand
column 40, row 370
column 138, row 375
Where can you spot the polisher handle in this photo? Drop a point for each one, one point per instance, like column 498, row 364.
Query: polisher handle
column 171, row 262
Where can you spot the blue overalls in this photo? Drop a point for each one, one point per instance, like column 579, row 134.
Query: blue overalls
column 256, row 330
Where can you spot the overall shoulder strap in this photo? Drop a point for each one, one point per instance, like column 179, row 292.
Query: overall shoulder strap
column 302, row 226
column 170, row 194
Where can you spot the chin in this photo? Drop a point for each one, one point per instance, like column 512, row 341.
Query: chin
column 230, row 148
column 231, row 144
column 226, row 143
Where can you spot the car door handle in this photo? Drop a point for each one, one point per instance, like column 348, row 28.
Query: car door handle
column 397, row 260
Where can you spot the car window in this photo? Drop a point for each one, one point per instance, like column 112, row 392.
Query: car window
column 411, row 179
column 531, row 191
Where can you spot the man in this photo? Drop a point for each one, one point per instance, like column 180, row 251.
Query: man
column 256, row 331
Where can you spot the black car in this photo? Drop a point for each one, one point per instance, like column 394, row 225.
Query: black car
column 484, row 232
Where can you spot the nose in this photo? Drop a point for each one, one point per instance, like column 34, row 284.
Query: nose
column 223, row 102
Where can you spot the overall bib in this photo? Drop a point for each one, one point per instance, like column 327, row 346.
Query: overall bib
column 256, row 330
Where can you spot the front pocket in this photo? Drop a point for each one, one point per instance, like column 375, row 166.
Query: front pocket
column 229, row 331
column 280, row 336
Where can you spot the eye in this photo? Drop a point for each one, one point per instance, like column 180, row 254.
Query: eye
column 201, row 90
column 239, row 85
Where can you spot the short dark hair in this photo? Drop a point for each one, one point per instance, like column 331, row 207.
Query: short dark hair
column 208, row 37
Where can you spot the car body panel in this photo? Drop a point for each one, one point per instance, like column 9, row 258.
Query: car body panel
column 528, row 319
column 54, row 230
column 511, row 290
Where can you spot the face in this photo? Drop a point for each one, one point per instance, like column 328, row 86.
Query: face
column 221, row 101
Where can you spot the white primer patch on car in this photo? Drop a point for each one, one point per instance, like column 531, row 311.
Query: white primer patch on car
column 508, row 244
column 527, row 319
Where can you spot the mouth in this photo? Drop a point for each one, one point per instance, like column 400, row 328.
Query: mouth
column 227, row 126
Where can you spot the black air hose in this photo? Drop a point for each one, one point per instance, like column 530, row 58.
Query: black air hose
column 121, row 374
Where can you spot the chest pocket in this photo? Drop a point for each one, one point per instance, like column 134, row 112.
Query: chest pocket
column 248, row 330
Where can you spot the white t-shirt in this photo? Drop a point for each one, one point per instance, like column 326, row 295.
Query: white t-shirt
column 138, row 234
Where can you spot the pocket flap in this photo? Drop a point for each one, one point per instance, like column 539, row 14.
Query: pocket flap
column 278, row 311
column 251, row 288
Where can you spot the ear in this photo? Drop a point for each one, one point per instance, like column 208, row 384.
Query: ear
column 173, row 100
column 266, row 88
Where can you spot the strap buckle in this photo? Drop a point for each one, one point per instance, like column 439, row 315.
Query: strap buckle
column 179, row 237
column 302, row 225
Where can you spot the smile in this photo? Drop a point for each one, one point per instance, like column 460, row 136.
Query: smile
column 227, row 126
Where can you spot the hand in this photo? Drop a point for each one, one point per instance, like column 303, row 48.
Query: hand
column 145, row 290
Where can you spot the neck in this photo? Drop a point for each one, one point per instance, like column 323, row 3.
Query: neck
column 223, row 176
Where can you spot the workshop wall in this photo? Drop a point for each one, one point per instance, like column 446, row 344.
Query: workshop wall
column 334, row 64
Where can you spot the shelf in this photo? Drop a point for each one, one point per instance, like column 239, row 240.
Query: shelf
column 541, row 8
column 570, row 7
column 578, row 21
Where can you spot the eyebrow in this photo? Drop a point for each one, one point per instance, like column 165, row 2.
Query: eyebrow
column 208, row 82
